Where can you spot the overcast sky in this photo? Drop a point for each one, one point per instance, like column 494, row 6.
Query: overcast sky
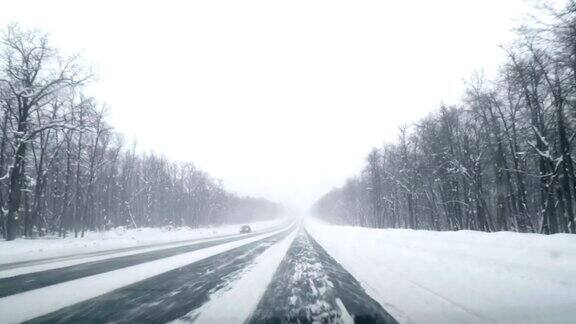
column 281, row 99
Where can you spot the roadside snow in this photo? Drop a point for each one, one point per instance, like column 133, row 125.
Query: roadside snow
column 236, row 303
column 53, row 247
column 16, row 308
column 457, row 277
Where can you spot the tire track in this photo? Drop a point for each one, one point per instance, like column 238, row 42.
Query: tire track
column 167, row 296
column 25, row 282
column 311, row 287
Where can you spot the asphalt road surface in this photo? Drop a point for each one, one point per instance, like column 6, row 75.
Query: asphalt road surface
column 308, row 286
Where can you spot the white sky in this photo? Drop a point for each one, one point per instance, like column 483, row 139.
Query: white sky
column 281, row 99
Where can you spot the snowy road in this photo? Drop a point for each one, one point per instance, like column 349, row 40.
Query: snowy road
column 277, row 274
column 307, row 272
column 27, row 278
column 310, row 285
column 167, row 296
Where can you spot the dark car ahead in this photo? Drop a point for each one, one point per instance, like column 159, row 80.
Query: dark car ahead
column 245, row 229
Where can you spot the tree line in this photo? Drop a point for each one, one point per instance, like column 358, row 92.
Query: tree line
column 502, row 159
column 64, row 170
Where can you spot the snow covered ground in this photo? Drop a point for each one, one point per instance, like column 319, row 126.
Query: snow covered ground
column 51, row 247
column 459, row 277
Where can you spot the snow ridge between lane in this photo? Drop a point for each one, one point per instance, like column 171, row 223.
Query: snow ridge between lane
column 16, row 308
column 66, row 263
column 235, row 304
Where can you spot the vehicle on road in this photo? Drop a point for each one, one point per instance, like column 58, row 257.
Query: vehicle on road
column 245, row 229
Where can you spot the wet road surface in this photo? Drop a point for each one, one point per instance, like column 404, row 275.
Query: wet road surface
column 308, row 286
column 165, row 297
column 35, row 280
column 311, row 287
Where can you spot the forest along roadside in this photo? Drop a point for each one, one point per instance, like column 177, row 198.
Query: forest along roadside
column 310, row 286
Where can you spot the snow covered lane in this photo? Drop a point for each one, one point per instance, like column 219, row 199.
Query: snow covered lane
column 26, row 252
column 31, row 257
column 310, row 287
column 18, row 280
column 163, row 289
column 459, row 277
column 235, row 302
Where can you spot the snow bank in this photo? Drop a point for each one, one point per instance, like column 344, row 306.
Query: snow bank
column 51, row 247
column 456, row 277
